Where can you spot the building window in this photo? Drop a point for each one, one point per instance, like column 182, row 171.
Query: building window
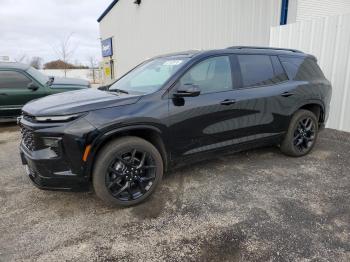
column 284, row 12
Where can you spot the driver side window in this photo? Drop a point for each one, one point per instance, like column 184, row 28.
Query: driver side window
column 211, row 75
column 13, row 80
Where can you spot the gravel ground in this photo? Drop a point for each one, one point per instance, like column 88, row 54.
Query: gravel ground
column 253, row 206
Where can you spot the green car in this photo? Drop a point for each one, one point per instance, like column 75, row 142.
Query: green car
column 20, row 83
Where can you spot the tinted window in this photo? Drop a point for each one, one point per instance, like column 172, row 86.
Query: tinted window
column 299, row 68
column 280, row 74
column 211, row 75
column 12, row 79
column 256, row 70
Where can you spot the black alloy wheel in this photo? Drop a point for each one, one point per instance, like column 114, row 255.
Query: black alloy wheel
column 304, row 135
column 301, row 135
column 127, row 171
column 131, row 175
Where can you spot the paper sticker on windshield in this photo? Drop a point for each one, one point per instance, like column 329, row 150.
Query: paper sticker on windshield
column 172, row 62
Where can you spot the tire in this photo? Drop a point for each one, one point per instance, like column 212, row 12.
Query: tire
column 299, row 141
column 117, row 167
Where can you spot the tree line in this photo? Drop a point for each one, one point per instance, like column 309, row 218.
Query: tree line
column 64, row 51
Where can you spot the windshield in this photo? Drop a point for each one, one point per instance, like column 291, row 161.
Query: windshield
column 37, row 75
column 150, row 76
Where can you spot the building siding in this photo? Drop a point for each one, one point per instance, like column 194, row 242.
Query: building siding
column 292, row 11
column 329, row 40
column 313, row 9
column 162, row 26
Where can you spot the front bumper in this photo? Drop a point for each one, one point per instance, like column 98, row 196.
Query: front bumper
column 58, row 166
column 44, row 177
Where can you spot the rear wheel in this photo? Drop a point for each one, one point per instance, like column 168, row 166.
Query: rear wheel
column 127, row 171
column 301, row 135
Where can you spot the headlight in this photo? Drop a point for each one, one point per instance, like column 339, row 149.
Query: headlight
column 56, row 118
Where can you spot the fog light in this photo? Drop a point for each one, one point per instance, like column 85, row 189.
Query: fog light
column 51, row 141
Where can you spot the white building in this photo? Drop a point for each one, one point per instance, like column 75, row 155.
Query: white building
column 4, row 58
column 136, row 30
column 156, row 27
column 301, row 10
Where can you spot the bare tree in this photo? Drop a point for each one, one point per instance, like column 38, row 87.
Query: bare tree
column 36, row 62
column 65, row 50
column 20, row 58
column 93, row 65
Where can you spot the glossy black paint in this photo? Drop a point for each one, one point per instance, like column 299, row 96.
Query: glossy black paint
column 183, row 128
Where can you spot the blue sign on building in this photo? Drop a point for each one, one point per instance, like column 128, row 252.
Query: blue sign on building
column 107, row 47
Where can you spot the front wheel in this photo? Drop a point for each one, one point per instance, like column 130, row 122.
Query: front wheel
column 301, row 135
column 127, row 171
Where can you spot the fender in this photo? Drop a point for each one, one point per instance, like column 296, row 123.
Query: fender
column 105, row 136
column 128, row 128
column 307, row 102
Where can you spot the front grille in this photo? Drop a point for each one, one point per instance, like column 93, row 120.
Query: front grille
column 28, row 138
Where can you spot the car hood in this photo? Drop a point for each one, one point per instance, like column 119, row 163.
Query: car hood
column 73, row 102
column 60, row 81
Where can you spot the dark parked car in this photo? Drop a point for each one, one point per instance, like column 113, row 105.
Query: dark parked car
column 20, row 83
column 172, row 110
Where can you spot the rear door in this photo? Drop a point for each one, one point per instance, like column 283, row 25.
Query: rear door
column 264, row 98
column 14, row 92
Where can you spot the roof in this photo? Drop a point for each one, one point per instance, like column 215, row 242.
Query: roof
column 13, row 65
column 239, row 50
column 109, row 8
column 189, row 53
column 266, row 48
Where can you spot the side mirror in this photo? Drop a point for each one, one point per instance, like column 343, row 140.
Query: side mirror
column 32, row 86
column 187, row 90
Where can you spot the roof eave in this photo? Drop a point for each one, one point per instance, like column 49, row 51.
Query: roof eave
column 108, row 9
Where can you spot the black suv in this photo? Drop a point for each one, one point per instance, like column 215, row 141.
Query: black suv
column 171, row 110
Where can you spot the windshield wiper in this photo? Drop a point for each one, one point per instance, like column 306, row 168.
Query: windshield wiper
column 118, row 91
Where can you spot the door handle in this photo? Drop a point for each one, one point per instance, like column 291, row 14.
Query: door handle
column 287, row 94
column 227, row 102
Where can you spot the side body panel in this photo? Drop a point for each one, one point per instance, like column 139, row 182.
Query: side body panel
column 202, row 124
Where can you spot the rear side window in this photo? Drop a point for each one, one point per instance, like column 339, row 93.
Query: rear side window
column 280, row 74
column 13, row 80
column 301, row 69
column 260, row 70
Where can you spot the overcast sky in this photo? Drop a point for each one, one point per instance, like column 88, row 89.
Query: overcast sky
column 36, row 27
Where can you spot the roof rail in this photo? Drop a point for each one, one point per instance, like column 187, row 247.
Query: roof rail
column 266, row 48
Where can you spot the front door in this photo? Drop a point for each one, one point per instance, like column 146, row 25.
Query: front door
column 194, row 120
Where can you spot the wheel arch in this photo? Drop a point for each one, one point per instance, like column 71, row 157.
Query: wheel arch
column 315, row 106
column 149, row 133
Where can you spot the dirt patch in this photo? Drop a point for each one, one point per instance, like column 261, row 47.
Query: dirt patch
column 257, row 205
column 224, row 246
